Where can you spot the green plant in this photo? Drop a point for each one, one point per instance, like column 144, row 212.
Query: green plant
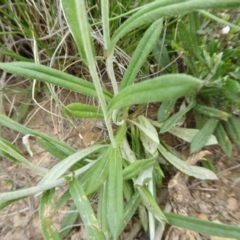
column 212, row 59
column 125, row 171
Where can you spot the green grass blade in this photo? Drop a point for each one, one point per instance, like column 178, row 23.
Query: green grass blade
column 194, row 26
column 168, row 124
column 219, row 20
column 147, row 43
column 167, row 87
column 115, row 193
column 184, row 38
column 203, row 135
column 204, row 227
column 135, row 20
column 46, row 210
column 158, row 9
column 53, row 76
column 85, row 210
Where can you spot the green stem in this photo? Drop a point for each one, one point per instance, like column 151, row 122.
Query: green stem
column 106, row 36
column 217, row 19
column 91, row 62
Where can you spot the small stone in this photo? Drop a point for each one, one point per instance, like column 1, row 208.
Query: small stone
column 204, row 208
column 208, row 195
column 232, row 204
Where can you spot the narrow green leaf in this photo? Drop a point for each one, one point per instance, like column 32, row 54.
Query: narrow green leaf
column 165, row 110
column 80, row 110
column 46, row 211
column 149, row 137
column 53, row 76
column 223, row 139
column 127, row 190
column 147, row 43
column 4, row 120
column 203, row 135
column 194, row 26
column 115, row 194
column 81, row 26
column 197, row 172
column 95, row 176
column 175, row 118
column 60, row 168
column 158, row 9
column 151, row 204
column 7, row 203
column 68, row 221
column 134, row 169
column 22, row 110
column 148, row 131
column 127, row 152
column 211, row 112
column 135, row 20
column 39, row 189
column 161, row 54
column 74, row 14
column 8, row 150
column 185, row 40
column 187, row 134
column 232, row 126
column 144, row 177
column 202, row 226
column 143, row 215
column 158, row 176
column 102, row 210
column 166, row 87
column 85, row 210
column 207, row 163
column 51, row 148
column 62, row 200
column 219, row 20
column 131, row 208
column 5, row 145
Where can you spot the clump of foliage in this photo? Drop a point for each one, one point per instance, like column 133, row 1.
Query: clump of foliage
column 126, row 170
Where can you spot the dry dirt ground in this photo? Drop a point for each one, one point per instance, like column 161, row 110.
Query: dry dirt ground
column 217, row 201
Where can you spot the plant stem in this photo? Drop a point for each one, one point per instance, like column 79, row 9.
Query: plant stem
column 91, row 62
column 106, row 36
